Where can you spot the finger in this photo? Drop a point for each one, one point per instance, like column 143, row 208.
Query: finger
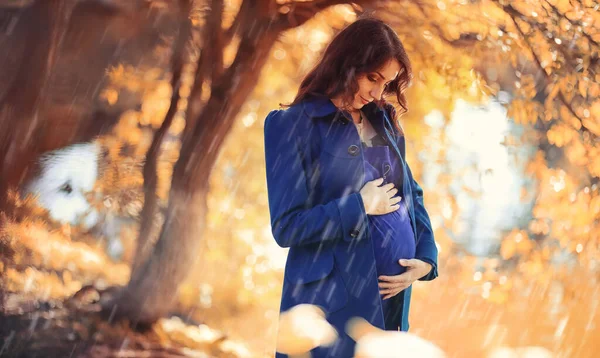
column 389, row 278
column 377, row 181
column 392, row 191
column 407, row 262
column 390, row 295
column 396, row 200
column 387, row 187
column 398, row 285
column 386, row 278
column 394, row 208
column 403, row 278
column 394, row 290
column 388, row 285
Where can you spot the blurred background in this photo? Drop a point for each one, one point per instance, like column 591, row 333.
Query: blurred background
column 132, row 156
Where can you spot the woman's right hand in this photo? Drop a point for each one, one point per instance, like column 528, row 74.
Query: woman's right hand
column 379, row 200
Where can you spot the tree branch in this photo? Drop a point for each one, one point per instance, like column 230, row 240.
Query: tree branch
column 151, row 165
column 237, row 24
column 214, row 39
column 561, row 96
column 572, row 22
column 465, row 40
column 566, row 53
column 294, row 14
column 211, row 50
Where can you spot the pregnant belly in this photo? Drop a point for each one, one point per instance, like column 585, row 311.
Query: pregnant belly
column 393, row 239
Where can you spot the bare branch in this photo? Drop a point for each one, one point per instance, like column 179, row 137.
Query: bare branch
column 561, row 95
column 195, row 97
column 209, row 65
column 566, row 52
column 213, row 39
column 151, row 165
column 237, row 24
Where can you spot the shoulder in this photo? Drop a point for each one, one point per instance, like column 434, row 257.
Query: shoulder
column 303, row 108
column 286, row 114
column 293, row 120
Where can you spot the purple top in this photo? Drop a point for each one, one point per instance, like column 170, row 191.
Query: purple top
column 392, row 235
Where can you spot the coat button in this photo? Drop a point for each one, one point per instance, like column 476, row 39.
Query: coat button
column 353, row 150
column 341, row 118
column 354, row 234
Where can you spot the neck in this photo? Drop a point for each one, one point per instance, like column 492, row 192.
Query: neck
column 339, row 104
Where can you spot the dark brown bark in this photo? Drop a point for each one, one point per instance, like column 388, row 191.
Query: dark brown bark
column 149, row 210
column 215, row 39
column 20, row 125
column 211, row 57
column 51, row 99
column 152, row 288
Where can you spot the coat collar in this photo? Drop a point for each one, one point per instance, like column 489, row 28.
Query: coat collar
column 322, row 107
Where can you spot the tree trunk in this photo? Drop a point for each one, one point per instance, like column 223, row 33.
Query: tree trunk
column 149, row 210
column 20, row 126
column 152, row 289
column 50, row 77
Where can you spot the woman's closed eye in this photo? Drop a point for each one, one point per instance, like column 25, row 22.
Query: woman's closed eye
column 374, row 80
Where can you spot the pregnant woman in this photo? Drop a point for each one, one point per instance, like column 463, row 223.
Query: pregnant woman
column 341, row 195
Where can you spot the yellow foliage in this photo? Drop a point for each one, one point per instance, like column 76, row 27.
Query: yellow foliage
column 110, row 95
column 516, row 243
column 593, row 123
column 238, row 240
column 576, row 153
column 561, row 134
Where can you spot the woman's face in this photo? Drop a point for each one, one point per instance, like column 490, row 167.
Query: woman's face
column 372, row 84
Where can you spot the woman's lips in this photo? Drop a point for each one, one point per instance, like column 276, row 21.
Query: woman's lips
column 364, row 101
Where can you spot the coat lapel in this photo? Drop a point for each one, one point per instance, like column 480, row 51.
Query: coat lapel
column 341, row 133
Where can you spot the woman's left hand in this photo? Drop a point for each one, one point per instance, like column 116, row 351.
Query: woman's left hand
column 390, row 286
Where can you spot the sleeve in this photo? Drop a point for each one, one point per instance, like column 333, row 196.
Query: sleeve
column 426, row 248
column 294, row 222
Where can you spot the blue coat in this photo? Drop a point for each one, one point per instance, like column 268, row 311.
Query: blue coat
column 314, row 173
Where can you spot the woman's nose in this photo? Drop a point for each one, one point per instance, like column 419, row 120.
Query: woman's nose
column 376, row 92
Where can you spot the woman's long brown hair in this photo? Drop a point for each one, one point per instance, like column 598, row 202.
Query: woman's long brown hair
column 364, row 46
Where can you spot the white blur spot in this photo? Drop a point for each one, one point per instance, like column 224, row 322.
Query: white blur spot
column 65, row 176
column 302, row 328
